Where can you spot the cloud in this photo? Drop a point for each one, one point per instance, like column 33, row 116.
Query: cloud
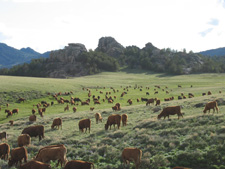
column 4, row 37
column 213, row 22
column 204, row 33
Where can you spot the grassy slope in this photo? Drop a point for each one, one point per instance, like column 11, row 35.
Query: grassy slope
column 195, row 141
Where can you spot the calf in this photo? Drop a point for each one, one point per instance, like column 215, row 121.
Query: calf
column 124, row 119
column 57, row 122
column 4, row 151
column 17, row 155
column 211, row 105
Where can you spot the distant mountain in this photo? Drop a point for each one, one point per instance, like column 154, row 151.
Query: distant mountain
column 10, row 56
column 214, row 52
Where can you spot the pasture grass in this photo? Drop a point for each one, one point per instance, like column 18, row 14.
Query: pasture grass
column 195, row 141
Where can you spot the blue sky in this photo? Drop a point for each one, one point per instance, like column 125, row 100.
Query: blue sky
column 45, row 25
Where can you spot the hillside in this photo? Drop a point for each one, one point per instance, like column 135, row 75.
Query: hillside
column 195, row 141
column 214, row 52
column 10, row 56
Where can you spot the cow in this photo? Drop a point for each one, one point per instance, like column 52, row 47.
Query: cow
column 84, row 123
column 138, row 100
column 40, row 112
column 132, row 154
column 43, row 110
column 57, row 122
column 118, row 105
column 147, row 93
column 98, row 117
column 130, row 102
column 33, row 111
column 32, row 118
column 167, row 99
column 78, row 164
column 115, row 108
column 92, row 108
column 21, row 99
column 211, row 105
column 3, row 135
column 112, row 120
column 23, row 140
column 97, row 102
column 34, row 131
column 9, row 114
column 209, row 93
column 124, row 119
column 53, row 152
column 17, row 155
column 172, row 110
column 11, row 122
column 144, row 99
column 15, row 111
column 33, row 164
column 179, row 97
column 66, row 108
column 157, row 102
column 74, row 109
column 203, row 94
column 4, row 151
column 150, row 101
column 84, row 103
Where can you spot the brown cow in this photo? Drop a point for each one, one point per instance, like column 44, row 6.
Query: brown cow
column 209, row 93
column 21, row 99
column 211, row 105
column 40, row 112
column 98, row 117
column 132, row 154
column 150, row 101
column 78, row 164
column 34, row 131
column 57, row 122
column 118, row 105
column 85, row 123
column 4, row 151
column 112, row 120
column 23, row 140
column 53, row 152
column 35, row 165
column 33, row 111
column 74, row 109
column 97, row 102
column 157, row 102
column 92, row 108
column 130, row 102
column 66, row 108
column 84, row 103
column 32, row 118
column 172, row 110
column 17, row 155
column 3, row 135
column 15, row 111
column 124, row 119
column 9, row 114
column 43, row 110
column 11, row 122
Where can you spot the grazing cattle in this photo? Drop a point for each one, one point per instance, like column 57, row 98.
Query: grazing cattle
column 115, row 108
column 11, row 122
column 130, row 102
column 132, row 154
column 179, row 97
column 4, row 151
column 15, row 111
column 34, row 131
column 7, row 105
column 179, row 86
column 92, row 108
column 110, row 101
column 32, row 118
column 74, row 109
column 211, row 105
column 52, row 103
column 150, row 101
column 72, row 102
column 209, row 93
column 157, row 102
column 147, row 93
column 156, row 92
column 78, row 164
column 167, row 99
column 124, row 119
column 85, row 123
column 17, row 155
column 66, row 108
column 172, row 110
column 84, row 103
column 33, row 164
column 33, row 111
column 98, row 117
column 21, row 99
column 57, row 122
column 138, row 100
column 9, row 114
column 53, row 152
column 23, row 140
column 43, row 110
column 144, row 99
column 97, row 102
column 40, row 112
column 203, row 94
column 3, row 135
column 118, row 105
column 76, row 99
column 112, row 120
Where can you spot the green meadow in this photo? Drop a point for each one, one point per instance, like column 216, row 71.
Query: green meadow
column 194, row 141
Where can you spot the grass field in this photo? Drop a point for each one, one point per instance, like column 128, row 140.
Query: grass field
column 196, row 141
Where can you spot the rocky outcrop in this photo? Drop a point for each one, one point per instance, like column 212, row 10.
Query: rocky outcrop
column 110, row 46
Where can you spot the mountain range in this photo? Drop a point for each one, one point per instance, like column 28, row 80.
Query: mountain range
column 10, row 56
column 214, row 52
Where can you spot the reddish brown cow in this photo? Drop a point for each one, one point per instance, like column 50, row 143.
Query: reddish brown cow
column 97, row 102
column 130, row 102
column 34, row 131
column 3, row 135
column 150, row 101
column 170, row 111
column 157, row 102
column 124, row 119
column 53, row 152
column 211, row 105
column 35, row 165
column 43, row 110
column 85, row 123
column 23, row 140
column 115, row 108
column 33, row 111
column 15, row 111
column 112, row 120
column 77, row 164
column 98, row 117
column 132, row 154
column 209, row 93
column 9, row 114
column 21, row 99
column 32, row 118
column 40, row 112
column 118, row 105
column 17, row 155
column 57, row 122
column 92, row 108
column 66, row 108
column 4, row 151
column 84, row 103
column 74, row 109
column 11, row 122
